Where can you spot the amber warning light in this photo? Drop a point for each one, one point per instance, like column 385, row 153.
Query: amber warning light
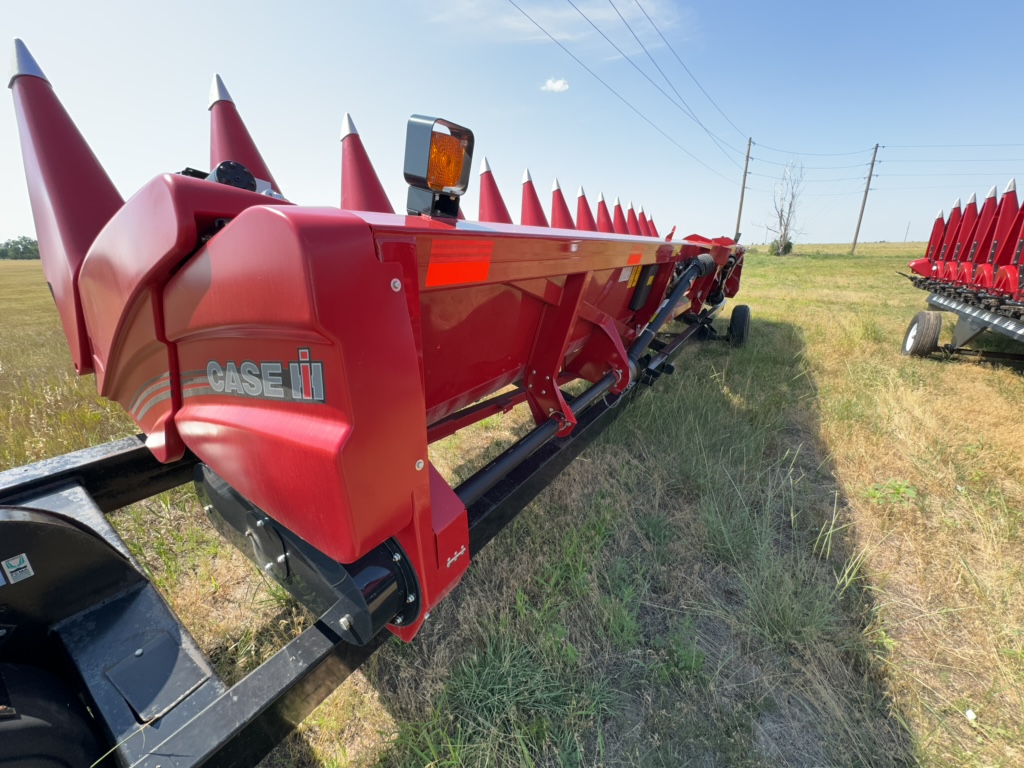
column 438, row 155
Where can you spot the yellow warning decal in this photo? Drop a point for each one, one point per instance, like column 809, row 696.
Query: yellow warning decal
column 634, row 277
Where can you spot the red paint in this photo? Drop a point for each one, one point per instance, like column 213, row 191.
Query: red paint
column 361, row 190
column 560, row 216
column 604, row 219
column 632, row 223
column 619, row 220
column 72, row 199
column 532, row 214
column 492, row 206
column 230, row 140
column 584, row 218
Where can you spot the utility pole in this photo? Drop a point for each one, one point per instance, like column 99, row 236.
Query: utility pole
column 871, row 172
column 743, row 189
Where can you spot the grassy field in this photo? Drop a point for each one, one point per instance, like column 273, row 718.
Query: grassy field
column 803, row 553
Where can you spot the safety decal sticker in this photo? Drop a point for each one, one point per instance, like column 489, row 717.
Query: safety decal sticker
column 458, row 261
column 17, row 568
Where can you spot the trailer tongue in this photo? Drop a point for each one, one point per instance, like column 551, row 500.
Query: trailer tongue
column 295, row 363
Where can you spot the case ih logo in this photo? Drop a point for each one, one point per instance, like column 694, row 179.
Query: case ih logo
column 299, row 381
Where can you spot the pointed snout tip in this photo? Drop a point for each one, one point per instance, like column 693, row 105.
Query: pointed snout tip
column 218, row 92
column 23, row 64
column 348, row 127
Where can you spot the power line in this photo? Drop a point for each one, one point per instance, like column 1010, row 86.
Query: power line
column 811, row 181
column 912, row 175
column 960, row 160
column 695, row 80
column 686, row 109
column 937, row 186
column 717, row 139
column 814, row 154
column 812, row 167
column 945, row 146
column 619, row 96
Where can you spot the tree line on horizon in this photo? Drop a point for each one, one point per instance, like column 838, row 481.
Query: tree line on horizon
column 19, row 248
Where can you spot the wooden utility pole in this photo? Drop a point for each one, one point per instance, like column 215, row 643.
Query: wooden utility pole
column 871, row 172
column 743, row 189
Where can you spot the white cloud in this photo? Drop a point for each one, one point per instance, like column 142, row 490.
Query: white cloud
column 555, row 86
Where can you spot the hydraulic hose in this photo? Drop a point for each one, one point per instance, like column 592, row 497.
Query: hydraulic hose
column 698, row 267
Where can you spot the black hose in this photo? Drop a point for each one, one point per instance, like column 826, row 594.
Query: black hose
column 697, row 268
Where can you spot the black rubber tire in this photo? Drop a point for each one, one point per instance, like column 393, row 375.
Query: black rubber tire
column 739, row 325
column 922, row 337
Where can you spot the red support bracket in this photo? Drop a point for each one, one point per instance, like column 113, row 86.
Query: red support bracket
column 549, row 347
column 603, row 351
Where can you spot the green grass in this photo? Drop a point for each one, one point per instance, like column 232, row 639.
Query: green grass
column 788, row 554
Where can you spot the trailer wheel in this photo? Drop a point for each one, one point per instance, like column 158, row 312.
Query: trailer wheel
column 923, row 334
column 739, row 325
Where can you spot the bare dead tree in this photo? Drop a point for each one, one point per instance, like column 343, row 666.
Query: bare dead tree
column 783, row 222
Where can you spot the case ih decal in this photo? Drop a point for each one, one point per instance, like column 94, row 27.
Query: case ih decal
column 296, row 381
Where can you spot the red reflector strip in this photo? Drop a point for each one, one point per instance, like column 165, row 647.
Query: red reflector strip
column 634, row 258
column 454, row 262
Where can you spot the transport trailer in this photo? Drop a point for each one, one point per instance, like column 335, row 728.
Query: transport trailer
column 972, row 268
column 294, row 363
column 922, row 337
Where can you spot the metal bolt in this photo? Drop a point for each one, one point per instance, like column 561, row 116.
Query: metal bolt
column 533, row 372
column 396, row 285
column 396, row 557
column 419, row 465
column 411, row 599
column 543, row 391
column 547, row 378
column 138, row 651
column 397, row 620
column 282, row 558
column 529, row 386
column 268, row 566
column 346, row 622
column 208, row 509
column 260, row 523
column 426, row 616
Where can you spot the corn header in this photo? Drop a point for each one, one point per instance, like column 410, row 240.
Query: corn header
column 972, row 268
column 295, row 363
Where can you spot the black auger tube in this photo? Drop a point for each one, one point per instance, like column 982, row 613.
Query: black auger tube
column 699, row 267
column 484, row 479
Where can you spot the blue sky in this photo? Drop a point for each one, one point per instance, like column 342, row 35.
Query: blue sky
column 797, row 77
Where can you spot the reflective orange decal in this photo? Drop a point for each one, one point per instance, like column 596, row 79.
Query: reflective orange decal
column 457, row 261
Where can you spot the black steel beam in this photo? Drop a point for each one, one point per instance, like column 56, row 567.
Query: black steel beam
column 115, row 474
column 500, row 505
column 242, row 726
